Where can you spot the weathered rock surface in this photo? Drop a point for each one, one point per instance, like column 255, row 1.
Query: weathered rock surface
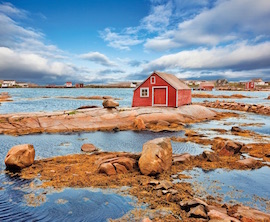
column 110, row 103
column 210, row 156
column 88, row 147
column 99, row 119
column 5, row 97
column 20, row 156
column 227, row 147
column 139, row 124
column 197, row 212
column 181, row 158
column 112, row 164
column 156, row 156
column 248, row 214
column 249, row 162
column 255, row 108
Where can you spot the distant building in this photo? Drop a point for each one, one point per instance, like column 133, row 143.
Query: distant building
column 161, row 89
column 8, row 83
column 78, row 85
column 133, row 84
column 258, row 82
column 208, row 86
column 68, row 84
column 249, row 85
column 22, row 84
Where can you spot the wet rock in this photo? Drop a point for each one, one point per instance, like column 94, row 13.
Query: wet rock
column 139, row 124
column 248, row 214
column 163, row 123
column 20, row 156
column 88, row 107
column 110, row 103
column 197, row 212
column 156, row 156
column 120, row 168
column 164, row 184
column 210, row 156
column 107, row 168
column 216, row 215
column 236, row 129
column 181, row 158
column 249, row 162
column 88, row 147
column 120, row 164
column 191, row 203
column 228, row 148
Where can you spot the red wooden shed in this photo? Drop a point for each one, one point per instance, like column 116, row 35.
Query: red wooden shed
column 161, row 89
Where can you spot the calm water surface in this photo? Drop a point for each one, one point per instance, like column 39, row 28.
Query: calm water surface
column 34, row 100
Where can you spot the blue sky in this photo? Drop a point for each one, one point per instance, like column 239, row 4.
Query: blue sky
column 102, row 41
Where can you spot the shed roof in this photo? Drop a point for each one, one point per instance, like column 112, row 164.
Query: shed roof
column 171, row 79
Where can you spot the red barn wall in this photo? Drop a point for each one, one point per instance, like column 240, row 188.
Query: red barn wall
column 147, row 101
column 184, row 97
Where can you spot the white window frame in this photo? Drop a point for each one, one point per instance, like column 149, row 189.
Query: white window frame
column 153, row 80
column 153, row 94
column 144, row 88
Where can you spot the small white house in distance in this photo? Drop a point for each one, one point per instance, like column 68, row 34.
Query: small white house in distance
column 22, row 84
column 8, row 83
column 68, row 84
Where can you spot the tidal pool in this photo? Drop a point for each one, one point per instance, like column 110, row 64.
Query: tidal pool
column 18, row 202
column 249, row 187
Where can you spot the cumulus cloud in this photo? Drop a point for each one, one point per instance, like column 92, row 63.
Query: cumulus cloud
column 239, row 56
column 122, row 40
column 98, row 58
column 222, row 23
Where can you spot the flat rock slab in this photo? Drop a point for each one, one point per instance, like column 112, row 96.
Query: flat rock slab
column 99, row 119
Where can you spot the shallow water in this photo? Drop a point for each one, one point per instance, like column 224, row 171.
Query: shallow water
column 249, row 187
column 45, row 99
column 20, row 203
column 48, row 145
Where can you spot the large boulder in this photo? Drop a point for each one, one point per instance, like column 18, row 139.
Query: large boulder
column 156, row 156
column 249, row 214
column 109, row 103
column 20, row 156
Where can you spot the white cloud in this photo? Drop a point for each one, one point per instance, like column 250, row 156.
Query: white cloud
column 227, row 21
column 121, row 41
column 237, row 56
column 158, row 19
column 98, row 58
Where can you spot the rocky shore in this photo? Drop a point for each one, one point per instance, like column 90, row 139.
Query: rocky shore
column 254, row 108
column 5, row 97
column 104, row 119
column 150, row 177
column 205, row 95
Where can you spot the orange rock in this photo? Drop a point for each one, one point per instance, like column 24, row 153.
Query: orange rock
column 120, row 168
column 156, row 156
column 88, row 147
column 20, row 156
column 139, row 124
column 107, row 168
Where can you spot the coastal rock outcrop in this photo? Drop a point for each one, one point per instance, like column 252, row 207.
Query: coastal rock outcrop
column 156, row 156
column 5, row 97
column 248, row 214
column 20, row 156
column 254, row 108
column 110, row 103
